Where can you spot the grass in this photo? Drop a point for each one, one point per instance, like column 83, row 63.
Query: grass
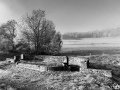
column 79, row 52
column 92, row 46
column 25, row 79
column 97, row 46
column 93, row 41
column 58, row 80
column 107, row 62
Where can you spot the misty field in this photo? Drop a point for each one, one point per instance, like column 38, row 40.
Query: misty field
column 92, row 46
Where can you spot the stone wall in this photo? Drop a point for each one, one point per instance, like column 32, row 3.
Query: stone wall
column 76, row 60
column 33, row 67
column 82, row 62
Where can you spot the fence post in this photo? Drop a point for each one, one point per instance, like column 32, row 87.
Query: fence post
column 14, row 57
column 22, row 57
column 67, row 60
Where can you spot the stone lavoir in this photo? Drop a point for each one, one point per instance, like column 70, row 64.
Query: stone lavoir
column 74, row 63
column 34, row 71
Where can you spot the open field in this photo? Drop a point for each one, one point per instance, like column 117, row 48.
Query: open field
column 87, row 41
column 93, row 78
column 92, row 46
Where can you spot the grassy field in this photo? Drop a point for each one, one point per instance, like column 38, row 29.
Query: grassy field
column 100, row 47
column 92, row 46
column 84, row 47
column 25, row 79
column 20, row 78
column 107, row 62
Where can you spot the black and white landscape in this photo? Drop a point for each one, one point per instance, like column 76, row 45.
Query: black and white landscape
column 59, row 44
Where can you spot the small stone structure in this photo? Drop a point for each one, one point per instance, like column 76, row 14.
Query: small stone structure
column 63, row 60
column 82, row 62
column 73, row 60
column 16, row 59
column 10, row 60
column 66, row 61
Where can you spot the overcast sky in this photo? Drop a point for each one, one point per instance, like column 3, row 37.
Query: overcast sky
column 67, row 15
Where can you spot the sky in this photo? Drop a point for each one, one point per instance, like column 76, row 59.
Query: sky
column 67, row 15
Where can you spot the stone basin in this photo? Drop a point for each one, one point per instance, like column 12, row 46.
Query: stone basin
column 40, row 68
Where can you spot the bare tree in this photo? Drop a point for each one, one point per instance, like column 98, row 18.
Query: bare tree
column 8, row 31
column 39, row 31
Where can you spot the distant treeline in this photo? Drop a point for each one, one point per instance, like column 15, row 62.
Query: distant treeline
column 92, row 34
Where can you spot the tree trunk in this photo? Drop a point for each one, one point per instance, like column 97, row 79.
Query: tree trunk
column 13, row 46
column 35, row 48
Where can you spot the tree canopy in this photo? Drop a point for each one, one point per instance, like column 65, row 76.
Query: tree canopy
column 41, row 32
column 38, row 34
column 8, row 32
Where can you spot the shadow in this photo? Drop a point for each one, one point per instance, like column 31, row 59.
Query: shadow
column 65, row 68
column 115, row 70
column 99, row 66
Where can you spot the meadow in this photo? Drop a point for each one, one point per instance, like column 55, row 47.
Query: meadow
column 106, row 51
column 93, row 46
column 21, row 78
